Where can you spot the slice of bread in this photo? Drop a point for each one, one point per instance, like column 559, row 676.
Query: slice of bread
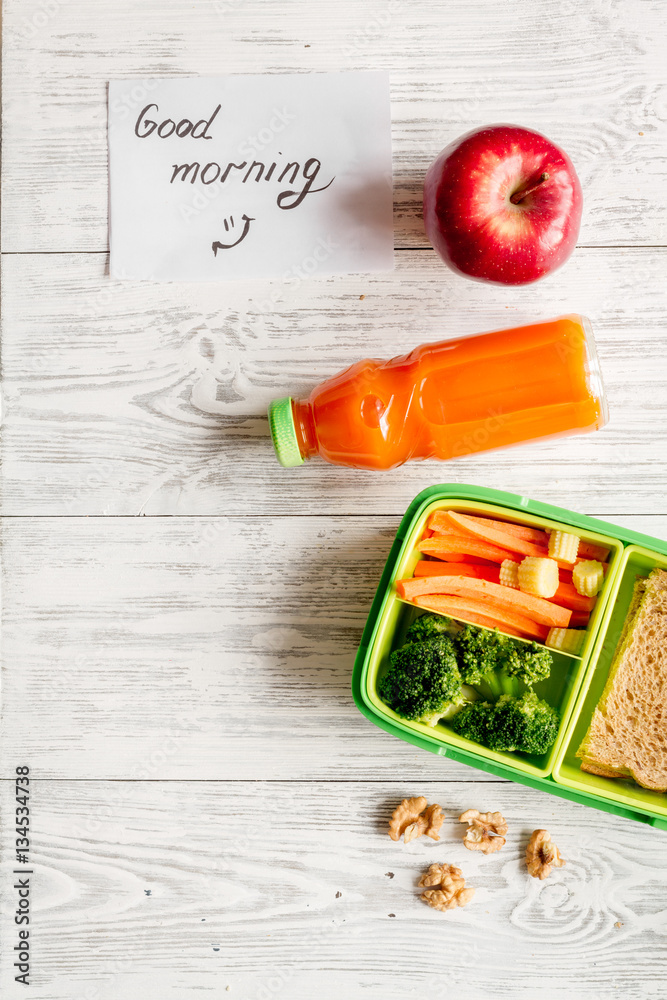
column 628, row 733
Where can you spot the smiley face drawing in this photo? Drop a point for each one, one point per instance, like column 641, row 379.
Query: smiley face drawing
column 216, row 245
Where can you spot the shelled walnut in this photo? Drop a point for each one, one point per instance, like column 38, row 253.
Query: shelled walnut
column 446, row 887
column 486, row 831
column 542, row 855
column 413, row 818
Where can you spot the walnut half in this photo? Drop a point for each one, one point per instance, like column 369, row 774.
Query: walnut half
column 446, row 887
column 413, row 818
column 542, row 855
column 486, row 831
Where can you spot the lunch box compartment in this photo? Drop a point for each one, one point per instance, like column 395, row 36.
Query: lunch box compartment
column 396, row 617
column 637, row 561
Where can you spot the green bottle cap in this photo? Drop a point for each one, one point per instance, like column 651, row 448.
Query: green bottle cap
column 283, row 432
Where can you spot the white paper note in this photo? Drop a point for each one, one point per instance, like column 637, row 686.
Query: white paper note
column 285, row 176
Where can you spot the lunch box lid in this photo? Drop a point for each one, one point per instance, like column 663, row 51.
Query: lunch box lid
column 512, row 502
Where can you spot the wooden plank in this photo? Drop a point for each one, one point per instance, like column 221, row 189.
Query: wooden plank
column 589, row 75
column 150, row 889
column 146, row 398
column 164, row 648
column 167, row 650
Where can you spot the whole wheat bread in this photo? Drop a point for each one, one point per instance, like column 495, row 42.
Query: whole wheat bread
column 628, row 733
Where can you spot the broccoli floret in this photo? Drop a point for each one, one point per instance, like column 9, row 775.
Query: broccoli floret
column 472, row 721
column 540, row 723
column 528, row 662
column 480, row 652
column 430, row 626
column 497, row 665
column 423, row 682
column 526, row 723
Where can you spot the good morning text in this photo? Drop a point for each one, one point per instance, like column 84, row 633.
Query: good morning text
column 298, row 177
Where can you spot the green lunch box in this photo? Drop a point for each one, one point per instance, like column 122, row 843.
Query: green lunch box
column 576, row 682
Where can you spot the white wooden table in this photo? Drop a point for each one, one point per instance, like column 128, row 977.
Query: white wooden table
column 208, row 805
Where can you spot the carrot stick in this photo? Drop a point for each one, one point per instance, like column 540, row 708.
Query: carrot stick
column 589, row 551
column 504, row 539
column 536, row 535
column 579, row 619
column 436, row 568
column 440, row 604
column 568, row 597
column 440, row 523
column 539, row 610
column 440, row 545
column 501, row 617
column 428, row 567
column 461, row 557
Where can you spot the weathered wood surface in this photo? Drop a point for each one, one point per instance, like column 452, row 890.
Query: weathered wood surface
column 589, row 74
column 218, row 644
column 148, row 398
column 165, row 648
column 277, row 889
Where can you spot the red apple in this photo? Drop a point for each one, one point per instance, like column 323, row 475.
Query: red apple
column 502, row 203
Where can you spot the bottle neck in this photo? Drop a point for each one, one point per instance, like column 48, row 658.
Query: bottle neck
column 304, row 426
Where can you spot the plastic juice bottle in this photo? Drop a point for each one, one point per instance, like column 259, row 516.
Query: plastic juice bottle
column 449, row 399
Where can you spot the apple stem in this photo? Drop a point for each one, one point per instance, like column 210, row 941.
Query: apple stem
column 522, row 193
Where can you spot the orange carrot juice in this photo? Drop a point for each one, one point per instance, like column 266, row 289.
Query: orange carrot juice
column 449, row 399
